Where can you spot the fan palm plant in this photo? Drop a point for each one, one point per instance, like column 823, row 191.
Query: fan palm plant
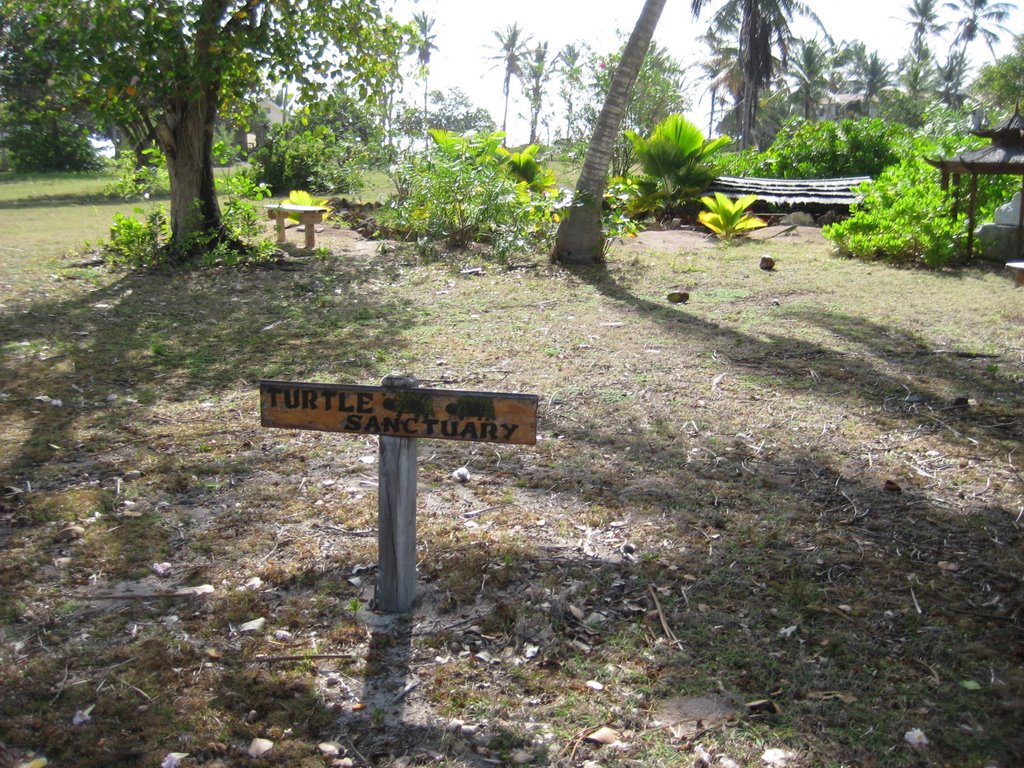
column 676, row 160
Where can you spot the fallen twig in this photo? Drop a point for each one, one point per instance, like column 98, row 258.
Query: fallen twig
column 478, row 512
column 136, row 596
column 302, row 657
column 661, row 615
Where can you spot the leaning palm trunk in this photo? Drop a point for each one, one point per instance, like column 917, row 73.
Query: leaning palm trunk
column 579, row 239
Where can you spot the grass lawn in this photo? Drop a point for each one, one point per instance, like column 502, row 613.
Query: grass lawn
column 779, row 522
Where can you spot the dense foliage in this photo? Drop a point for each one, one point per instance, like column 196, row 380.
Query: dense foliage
column 161, row 70
column 678, row 164
column 906, row 218
column 1000, row 85
column 43, row 128
column 805, row 149
column 314, row 159
column 465, row 190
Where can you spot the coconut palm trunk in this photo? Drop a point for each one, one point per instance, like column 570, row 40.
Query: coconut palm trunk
column 580, row 239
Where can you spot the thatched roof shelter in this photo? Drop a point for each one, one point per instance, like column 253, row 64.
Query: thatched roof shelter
column 1005, row 155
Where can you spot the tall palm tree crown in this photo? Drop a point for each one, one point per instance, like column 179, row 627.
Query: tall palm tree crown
column 923, row 19
column 512, row 47
column 980, row 19
column 763, row 30
column 424, row 47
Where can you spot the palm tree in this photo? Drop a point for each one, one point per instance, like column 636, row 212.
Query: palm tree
column 869, row 74
column 951, row 79
column 917, row 72
column 980, row 18
column 722, row 68
column 424, row 47
column 809, row 70
column 511, row 49
column 764, row 29
column 924, row 19
column 579, row 239
column 536, row 73
column 569, row 64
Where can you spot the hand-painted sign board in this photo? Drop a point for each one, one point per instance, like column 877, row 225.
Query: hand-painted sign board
column 400, row 412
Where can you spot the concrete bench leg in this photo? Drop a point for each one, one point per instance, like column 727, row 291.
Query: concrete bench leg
column 279, row 217
column 309, row 222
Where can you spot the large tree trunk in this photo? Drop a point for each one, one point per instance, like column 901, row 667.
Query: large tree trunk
column 579, row 239
column 186, row 137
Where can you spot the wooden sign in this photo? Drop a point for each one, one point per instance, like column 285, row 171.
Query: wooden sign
column 400, row 412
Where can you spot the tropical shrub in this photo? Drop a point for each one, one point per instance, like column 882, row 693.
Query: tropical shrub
column 462, row 192
column 823, row 150
column 136, row 180
column 729, row 218
column 525, row 167
column 677, row 164
column 135, row 243
column 314, row 160
column 906, row 218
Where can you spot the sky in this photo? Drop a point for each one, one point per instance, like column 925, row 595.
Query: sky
column 465, row 39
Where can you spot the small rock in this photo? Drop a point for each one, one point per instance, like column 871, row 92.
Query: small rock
column 461, row 475
column 778, row 757
column 767, row 263
column 915, row 737
column 329, row 748
column 522, row 757
column 71, row 533
column 891, row 486
column 603, row 735
column 259, row 747
column 253, row 626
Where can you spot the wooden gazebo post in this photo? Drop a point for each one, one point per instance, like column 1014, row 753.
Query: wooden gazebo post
column 1005, row 155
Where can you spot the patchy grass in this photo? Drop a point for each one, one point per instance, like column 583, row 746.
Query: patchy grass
column 770, row 497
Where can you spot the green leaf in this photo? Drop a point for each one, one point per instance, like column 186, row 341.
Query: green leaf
column 970, row 685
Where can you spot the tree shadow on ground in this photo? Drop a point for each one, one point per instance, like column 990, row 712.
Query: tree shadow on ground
column 113, row 354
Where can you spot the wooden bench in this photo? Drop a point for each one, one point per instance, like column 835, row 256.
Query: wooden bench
column 1018, row 271
column 309, row 217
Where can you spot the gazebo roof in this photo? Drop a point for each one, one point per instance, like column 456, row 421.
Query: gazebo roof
column 1004, row 155
column 1009, row 133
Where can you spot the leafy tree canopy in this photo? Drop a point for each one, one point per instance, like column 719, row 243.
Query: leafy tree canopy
column 172, row 65
column 1001, row 85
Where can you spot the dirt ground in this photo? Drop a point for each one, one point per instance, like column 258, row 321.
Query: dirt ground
column 776, row 524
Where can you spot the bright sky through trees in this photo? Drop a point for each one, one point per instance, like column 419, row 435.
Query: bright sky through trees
column 465, row 38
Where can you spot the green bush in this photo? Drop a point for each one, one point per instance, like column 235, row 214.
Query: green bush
column 462, row 192
column 824, row 150
column 135, row 243
column 139, row 181
column 313, row 160
column 42, row 141
column 905, row 217
column 678, row 164
column 144, row 243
